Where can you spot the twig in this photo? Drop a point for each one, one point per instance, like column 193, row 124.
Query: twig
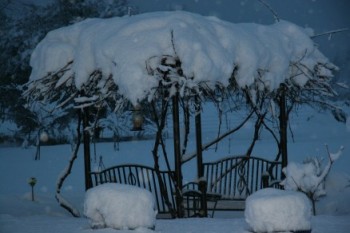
column 329, row 153
column 330, row 32
column 173, row 42
column 270, row 9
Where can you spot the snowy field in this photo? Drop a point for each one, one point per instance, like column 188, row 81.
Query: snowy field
column 19, row 214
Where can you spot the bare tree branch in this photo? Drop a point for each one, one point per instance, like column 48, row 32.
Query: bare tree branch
column 330, row 33
column 271, row 10
column 188, row 157
column 64, row 203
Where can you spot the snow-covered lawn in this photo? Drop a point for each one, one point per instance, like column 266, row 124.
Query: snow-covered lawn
column 65, row 224
column 19, row 214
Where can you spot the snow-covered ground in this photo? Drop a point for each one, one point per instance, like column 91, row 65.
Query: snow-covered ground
column 19, row 214
column 52, row 224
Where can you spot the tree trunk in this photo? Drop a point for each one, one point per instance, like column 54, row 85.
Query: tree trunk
column 63, row 202
column 160, row 126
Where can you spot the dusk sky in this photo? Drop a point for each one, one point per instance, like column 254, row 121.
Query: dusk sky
column 320, row 15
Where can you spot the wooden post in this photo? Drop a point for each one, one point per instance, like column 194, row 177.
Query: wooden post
column 86, row 140
column 283, row 118
column 177, row 155
column 200, row 173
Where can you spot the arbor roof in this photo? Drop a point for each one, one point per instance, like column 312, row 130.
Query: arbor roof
column 193, row 51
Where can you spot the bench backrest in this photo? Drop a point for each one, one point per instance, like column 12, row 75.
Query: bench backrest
column 140, row 176
column 238, row 177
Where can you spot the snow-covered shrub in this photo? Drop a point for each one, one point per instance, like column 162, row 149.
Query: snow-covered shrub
column 275, row 210
column 120, row 206
column 309, row 177
column 304, row 177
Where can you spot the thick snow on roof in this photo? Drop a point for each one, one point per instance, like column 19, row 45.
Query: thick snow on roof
column 210, row 51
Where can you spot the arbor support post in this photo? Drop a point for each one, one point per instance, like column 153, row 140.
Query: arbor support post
column 283, row 118
column 200, row 173
column 177, row 155
column 86, row 141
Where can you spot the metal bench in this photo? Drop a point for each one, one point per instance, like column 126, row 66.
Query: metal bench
column 229, row 181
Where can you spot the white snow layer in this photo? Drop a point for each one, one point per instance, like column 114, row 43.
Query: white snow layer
column 210, row 51
column 303, row 176
column 274, row 210
column 120, row 206
column 309, row 177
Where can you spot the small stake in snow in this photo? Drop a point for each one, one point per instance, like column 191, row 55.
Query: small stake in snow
column 32, row 182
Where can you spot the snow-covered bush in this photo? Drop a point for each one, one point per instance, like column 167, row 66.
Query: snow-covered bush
column 309, row 177
column 120, row 206
column 274, row 210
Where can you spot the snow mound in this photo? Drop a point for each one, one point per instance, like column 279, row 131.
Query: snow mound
column 274, row 210
column 131, row 49
column 120, row 206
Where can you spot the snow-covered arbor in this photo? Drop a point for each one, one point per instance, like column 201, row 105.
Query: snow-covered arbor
column 159, row 59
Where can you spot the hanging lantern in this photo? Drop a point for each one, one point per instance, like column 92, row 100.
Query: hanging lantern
column 44, row 137
column 137, row 118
